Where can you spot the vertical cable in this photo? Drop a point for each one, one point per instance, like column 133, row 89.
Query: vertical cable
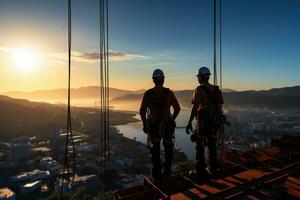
column 101, row 89
column 215, row 42
column 107, row 86
column 69, row 133
column 220, row 37
column 69, row 87
column 223, row 152
column 104, row 91
column 104, row 96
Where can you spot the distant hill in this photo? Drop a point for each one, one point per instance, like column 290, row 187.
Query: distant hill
column 286, row 91
column 288, row 97
column 228, row 90
column 23, row 117
column 89, row 92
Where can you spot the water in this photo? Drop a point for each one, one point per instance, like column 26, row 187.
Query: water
column 135, row 130
column 182, row 140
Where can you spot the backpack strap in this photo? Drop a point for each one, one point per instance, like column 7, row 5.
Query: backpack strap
column 207, row 92
column 150, row 91
column 166, row 91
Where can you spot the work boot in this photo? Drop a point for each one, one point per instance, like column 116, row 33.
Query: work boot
column 211, row 171
column 167, row 168
column 157, row 181
column 169, row 148
column 156, row 174
column 192, row 174
column 200, row 175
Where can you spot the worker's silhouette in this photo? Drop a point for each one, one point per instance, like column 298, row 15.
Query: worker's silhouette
column 207, row 108
column 159, row 123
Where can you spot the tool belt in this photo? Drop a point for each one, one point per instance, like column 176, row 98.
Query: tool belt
column 161, row 127
column 206, row 123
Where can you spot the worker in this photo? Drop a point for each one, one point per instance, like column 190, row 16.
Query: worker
column 207, row 103
column 159, row 124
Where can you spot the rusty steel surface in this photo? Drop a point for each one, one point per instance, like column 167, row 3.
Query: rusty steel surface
column 264, row 173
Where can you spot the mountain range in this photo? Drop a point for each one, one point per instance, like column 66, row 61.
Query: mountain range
column 286, row 97
column 277, row 98
column 89, row 92
column 19, row 116
column 23, row 117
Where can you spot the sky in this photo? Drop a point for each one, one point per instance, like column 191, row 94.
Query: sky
column 260, row 43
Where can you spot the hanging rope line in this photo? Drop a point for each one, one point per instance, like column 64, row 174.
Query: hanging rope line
column 215, row 43
column 217, row 14
column 107, row 75
column 217, row 9
column 104, row 93
column 223, row 158
column 67, row 174
column 220, row 44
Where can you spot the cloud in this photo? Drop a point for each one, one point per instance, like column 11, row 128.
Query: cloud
column 113, row 56
column 81, row 56
column 5, row 49
column 161, row 64
column 16, row 50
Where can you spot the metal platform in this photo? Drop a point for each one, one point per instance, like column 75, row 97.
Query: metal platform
column 265, row 173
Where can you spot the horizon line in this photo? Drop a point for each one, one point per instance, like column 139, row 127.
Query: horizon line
column 134, row 90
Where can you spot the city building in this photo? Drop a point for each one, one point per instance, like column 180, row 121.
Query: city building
column 30, row 176
column 59, row 140
column 20, row 148
column 20, row 151
column 21, row 140
column 7, row 194
column 90, row 182
column 51, row 165
column 30, row 187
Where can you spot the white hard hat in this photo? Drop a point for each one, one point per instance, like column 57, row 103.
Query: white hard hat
column 158, row 73
column 203, row 71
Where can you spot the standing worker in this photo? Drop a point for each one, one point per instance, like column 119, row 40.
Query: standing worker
column 159, row 123
column 207, row 108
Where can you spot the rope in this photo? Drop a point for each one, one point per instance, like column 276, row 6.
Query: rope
column 215, row 42
column 107, row 84
column 221, row 139
column 223, row 152
column 221, row 134
column 220, row 44
column 104, row 92
column 69, row 133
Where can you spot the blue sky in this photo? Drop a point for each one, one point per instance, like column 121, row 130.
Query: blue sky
column 260, row 39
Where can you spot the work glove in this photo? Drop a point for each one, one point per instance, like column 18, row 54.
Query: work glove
column 173, row 121
column 189, row 128
column 145, row 128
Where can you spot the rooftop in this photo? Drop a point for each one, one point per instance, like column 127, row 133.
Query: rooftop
column 6, row 193
column 31, row 175
column 85, row 178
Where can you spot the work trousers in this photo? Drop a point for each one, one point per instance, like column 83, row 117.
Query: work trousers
column 200, row 164
column 156, row 161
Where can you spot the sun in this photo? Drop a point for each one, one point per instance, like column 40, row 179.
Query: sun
column 25, row 60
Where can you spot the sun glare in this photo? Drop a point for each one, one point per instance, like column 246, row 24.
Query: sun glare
column 25, row 60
